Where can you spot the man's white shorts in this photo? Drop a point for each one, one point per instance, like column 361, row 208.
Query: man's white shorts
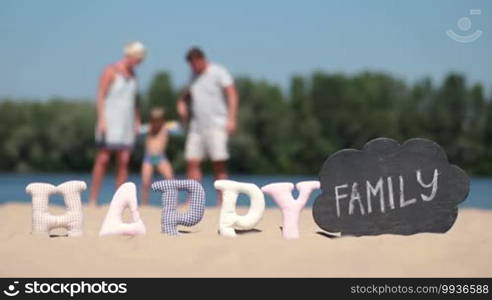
column 208, row 142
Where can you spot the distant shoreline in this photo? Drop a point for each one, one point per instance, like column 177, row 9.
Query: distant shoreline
column 12, row 187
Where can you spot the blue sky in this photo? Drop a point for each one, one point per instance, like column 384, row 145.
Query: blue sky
column 58, row 48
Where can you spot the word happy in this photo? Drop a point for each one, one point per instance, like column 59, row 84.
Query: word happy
column 126, row 198
column 387, row 193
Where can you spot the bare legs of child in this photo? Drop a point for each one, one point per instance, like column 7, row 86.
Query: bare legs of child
column 164, row 168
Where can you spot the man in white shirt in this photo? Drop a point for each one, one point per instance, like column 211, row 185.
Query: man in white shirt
column 210, row 105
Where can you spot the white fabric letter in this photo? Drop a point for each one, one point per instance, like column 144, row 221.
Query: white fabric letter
column 42, row 221
column 229, row 220
column 125, row 196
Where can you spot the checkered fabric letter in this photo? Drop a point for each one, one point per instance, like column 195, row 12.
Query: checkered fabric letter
column 171, row 218
column 43, row 221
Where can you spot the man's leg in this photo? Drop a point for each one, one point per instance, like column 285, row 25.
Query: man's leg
column 100, row 166
column 122, row 162
column 193, row 170
column 194, row 153
column 217, row 140
column 220, row 172
column 220, row 169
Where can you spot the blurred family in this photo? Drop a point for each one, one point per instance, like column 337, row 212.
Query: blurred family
column 207, row 108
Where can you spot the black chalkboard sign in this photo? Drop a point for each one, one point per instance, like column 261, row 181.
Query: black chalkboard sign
column 390, row 188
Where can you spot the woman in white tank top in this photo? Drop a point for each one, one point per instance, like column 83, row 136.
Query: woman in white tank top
column 118, row 117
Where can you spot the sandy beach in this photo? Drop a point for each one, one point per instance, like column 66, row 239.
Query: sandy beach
column 465, row 251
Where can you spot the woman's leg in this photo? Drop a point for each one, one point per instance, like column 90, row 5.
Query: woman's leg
column 122, row 162
column 147, row 171
column 100, row 166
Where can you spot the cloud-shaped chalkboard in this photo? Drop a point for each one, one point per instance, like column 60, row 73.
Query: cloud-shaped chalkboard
column 390, row 188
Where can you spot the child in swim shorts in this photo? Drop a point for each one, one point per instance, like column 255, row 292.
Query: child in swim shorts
column 155, row 152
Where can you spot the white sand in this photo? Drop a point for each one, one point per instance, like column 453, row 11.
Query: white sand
column 465, row 251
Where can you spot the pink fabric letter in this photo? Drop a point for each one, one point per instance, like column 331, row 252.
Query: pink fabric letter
column 291, row 208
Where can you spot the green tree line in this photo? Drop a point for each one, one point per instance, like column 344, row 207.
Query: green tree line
column 280, row 131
